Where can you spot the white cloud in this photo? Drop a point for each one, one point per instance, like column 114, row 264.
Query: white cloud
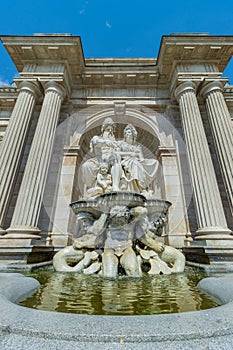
column 83, row 9
column 4, row 82
column 108, row 25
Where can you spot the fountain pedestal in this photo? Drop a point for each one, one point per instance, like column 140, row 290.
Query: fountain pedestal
column 218, row 254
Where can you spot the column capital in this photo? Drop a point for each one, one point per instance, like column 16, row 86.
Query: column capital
column 52, row 85
column 215, row 85
column 30, row 86
column 187, row 85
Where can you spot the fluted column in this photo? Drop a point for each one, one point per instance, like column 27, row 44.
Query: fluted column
column 222, row 131
column 28, row 205
column 209, row 208
column 12, row 146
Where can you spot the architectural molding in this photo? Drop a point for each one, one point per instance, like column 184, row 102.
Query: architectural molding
column 32, row 86
column 171, row 101
column 185, row 86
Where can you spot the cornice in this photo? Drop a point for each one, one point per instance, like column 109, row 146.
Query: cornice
column 198, row 49
column 45, row 50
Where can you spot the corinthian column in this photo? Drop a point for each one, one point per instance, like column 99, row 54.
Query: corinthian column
column 26, row 213
column 222, row 130
column 12, row 146
column 210, row 215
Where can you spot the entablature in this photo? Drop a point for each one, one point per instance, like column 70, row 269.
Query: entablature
column 43, row 54
column 60, row 57
column 8, row 96
column 193, row 51
column 119, row 72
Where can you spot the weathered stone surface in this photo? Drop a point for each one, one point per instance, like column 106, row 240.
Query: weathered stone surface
column 131, row 91
column 92, row 269
column 189, row 330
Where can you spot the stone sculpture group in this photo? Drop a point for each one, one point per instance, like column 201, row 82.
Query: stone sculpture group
column 118, row 220
column 117, row 165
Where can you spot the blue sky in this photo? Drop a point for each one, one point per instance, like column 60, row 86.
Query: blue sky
column 113, row 28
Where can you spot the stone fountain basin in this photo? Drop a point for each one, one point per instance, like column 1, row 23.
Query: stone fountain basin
column 199, row 327
column 104, row 203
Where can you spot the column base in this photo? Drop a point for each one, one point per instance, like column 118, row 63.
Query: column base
column 24, row 230
column 222, row 267
column 2, row 231
column 22, row 255
column 18, row 240
column 222, row 241
column 213, row 233
column 215, row 237
column 209, row 255
column 21, row 236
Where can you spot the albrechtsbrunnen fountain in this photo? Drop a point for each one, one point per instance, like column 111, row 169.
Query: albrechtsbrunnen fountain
column 119, row 221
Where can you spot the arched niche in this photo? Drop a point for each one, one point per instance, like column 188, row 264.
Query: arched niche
column 152, row 134
column 152, row 129
column 155, row 135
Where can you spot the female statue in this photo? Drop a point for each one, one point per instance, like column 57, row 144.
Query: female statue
column 137, row 171
column 102, row 148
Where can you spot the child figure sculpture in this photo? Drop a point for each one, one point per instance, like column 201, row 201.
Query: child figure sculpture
column 104, row 179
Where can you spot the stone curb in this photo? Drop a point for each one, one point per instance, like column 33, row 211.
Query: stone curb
column 130, row 329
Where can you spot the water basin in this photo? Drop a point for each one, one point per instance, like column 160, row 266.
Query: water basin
column 93, row 295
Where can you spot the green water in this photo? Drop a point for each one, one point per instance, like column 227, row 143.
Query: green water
column 93, row 295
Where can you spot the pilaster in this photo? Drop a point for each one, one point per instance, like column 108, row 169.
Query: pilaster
column 176, row 230
column 67, row 190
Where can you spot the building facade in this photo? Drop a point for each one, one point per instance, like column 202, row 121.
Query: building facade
column 181, row 105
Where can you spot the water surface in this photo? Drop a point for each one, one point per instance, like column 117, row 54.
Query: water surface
column 94, row 295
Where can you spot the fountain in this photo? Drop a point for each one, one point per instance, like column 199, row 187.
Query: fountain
column 119, row 231
column 118, row 221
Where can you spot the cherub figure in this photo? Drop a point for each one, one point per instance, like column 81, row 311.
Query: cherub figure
column 103, row 182
column 104, row 179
